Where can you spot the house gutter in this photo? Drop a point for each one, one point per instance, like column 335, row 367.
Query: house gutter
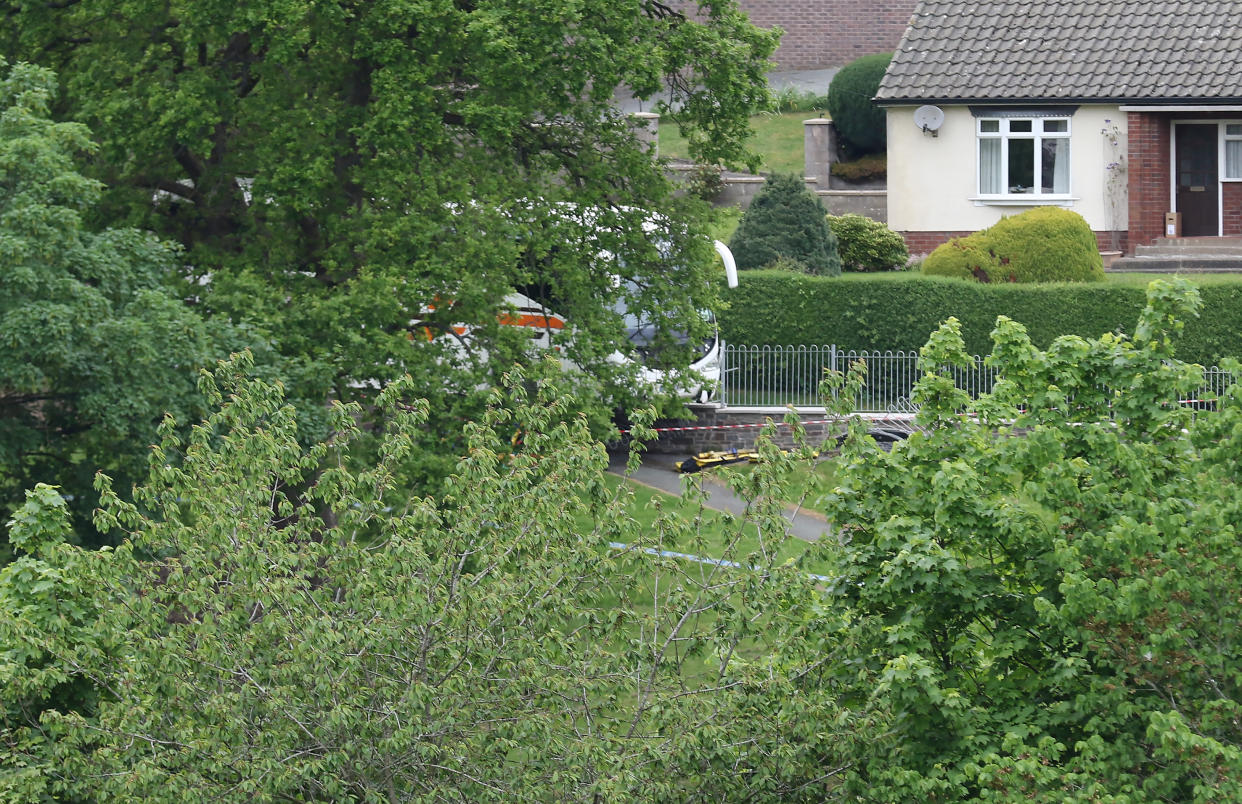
column 1127, row 104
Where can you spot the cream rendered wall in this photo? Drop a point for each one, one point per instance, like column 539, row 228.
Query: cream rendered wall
column 932, row 180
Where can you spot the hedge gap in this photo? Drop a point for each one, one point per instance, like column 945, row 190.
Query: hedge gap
column 878, row 312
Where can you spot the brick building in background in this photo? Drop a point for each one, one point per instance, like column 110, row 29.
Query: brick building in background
column 830, row 33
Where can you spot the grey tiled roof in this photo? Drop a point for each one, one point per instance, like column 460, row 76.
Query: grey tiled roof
column 1061, row 50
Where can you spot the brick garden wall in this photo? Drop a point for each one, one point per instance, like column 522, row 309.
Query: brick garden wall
column 729, row 436
column 830, row 33
column 1232, row 206
column 926, row 242
column 725, row 435
column 1148, row 135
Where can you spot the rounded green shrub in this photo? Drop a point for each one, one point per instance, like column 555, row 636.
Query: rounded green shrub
column 867, row 245
column 786, row 221
column 859, row 121
column 963, row 258
column 1046, row 244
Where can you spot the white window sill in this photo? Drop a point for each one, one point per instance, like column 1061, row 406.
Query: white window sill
column 1024, row 201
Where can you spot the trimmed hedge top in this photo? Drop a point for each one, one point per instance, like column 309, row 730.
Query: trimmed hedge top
column 899, row 311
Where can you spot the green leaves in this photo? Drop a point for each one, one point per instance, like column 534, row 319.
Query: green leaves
column 334, row 172
column 95, row 351
column 1046, row 590
column 363, row 643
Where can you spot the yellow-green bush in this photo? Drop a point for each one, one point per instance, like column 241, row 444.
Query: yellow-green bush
column 962, row 258
column 1046, row 244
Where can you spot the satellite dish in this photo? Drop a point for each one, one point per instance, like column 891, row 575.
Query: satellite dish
column 929, row 119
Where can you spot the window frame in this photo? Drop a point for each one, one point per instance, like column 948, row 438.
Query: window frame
column 1224, row 137
column 1037, row 135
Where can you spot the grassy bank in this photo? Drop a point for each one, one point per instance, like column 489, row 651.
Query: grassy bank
column 777, row 138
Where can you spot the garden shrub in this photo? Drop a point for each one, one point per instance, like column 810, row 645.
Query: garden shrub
column 785, row 220
column 873, row 167
column 962, row 258
column 859, row 121
column 787, row 264
column 896, row 310
column 705, row 182
column 1046, row 244
column 867, row 245
column 792, row 99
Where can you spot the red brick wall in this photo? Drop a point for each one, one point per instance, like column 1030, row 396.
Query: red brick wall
column 1105, row 241
column 1148, row 135
column 1232, row 207
column 926, row 242
column 830, row 33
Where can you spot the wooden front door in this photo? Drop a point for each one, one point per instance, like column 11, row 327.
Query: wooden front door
column 1197, row 184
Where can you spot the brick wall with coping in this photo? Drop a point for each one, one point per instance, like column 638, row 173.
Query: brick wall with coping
column 729, row 436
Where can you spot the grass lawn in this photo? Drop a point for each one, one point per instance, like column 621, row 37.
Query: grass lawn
column 777, row 138
column 806, row 484
column 657, row 589
column 718, row 534
column 1141, row 279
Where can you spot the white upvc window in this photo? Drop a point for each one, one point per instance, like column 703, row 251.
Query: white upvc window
column 1233, row 151
column 1024, row 157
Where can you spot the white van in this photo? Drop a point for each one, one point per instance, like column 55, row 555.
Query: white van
column 705, row 366
column 545, row 327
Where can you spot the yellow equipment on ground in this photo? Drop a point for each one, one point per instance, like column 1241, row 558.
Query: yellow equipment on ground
column 706, row 460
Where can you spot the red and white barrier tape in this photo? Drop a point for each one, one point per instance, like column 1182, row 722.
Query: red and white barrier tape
column 786, row 424
column 732, row 426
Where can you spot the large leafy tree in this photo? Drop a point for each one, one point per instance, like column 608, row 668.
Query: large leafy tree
column 93, row 349
column 339, row 169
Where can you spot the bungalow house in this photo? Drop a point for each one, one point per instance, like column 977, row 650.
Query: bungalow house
column 1120, row 110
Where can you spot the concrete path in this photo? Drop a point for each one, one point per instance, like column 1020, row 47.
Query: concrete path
column 657, row 472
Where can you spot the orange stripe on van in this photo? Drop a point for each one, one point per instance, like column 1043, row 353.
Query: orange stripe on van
column 527, row 320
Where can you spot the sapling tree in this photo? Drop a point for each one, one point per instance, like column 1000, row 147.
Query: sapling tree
column 280, row 626
column 1042, row 584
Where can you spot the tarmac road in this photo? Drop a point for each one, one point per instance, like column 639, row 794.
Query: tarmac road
column 814, row 81
column 658, row 472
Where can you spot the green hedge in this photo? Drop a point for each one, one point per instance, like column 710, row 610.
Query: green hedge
column 899, row 312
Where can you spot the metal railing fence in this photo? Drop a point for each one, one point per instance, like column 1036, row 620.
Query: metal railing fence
column 776, row 376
